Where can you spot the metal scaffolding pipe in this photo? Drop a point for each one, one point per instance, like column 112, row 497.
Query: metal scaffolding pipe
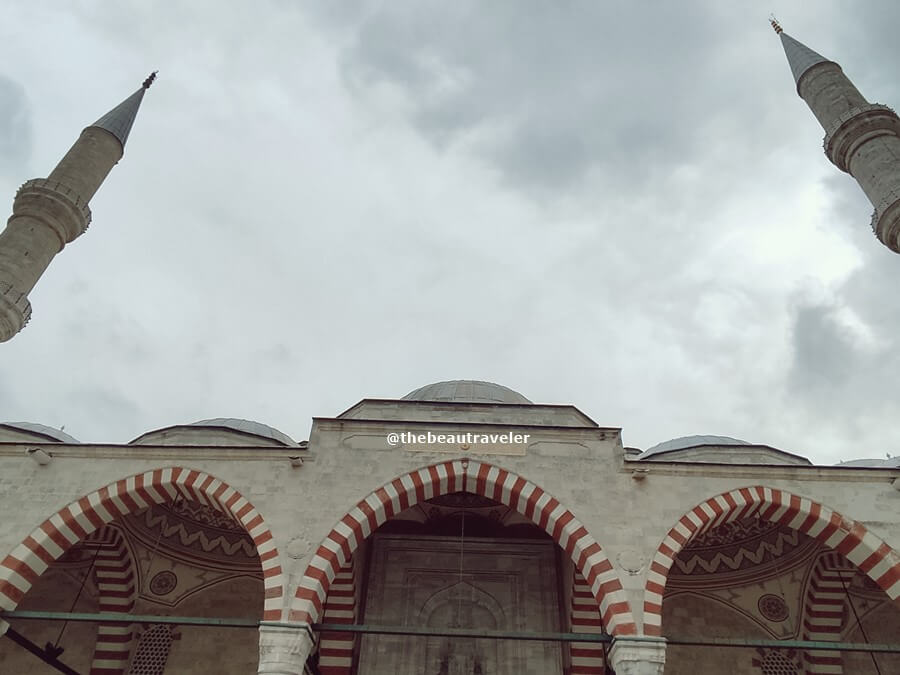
column 118, row 617
column 602, row 638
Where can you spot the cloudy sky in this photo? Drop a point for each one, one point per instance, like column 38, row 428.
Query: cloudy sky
column 624, row 206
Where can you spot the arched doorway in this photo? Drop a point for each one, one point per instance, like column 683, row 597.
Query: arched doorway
column 334, row 558
column 168, row 541
column 762, row 563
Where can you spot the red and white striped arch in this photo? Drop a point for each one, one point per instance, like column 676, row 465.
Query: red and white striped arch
column 49, row 540
column 849, row 538
column 587, row 658
column 116, row 577
column 336, row 649
column 487, row 480
column 824, row 611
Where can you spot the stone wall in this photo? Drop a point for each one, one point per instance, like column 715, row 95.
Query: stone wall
column 505, row 585
column 690, row 616
column 628, row 507
column 881, row 627
column 55, row 591
column 225, row 651
column 301, row 505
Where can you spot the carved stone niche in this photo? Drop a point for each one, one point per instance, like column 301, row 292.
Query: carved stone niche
column 486, row 584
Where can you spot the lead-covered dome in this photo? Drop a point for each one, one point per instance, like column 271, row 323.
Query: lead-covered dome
column 466, row 391
column 873, row 463
column 684, row 442
column 31, row 431
column 718, row 450
column 217, row 431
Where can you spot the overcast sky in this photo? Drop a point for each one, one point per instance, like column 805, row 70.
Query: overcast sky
column 623, row 206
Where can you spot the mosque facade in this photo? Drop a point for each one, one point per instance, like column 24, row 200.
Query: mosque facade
column 461, row 529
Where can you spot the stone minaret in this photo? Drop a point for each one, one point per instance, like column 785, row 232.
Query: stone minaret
column 861, row 138
column 48, row 213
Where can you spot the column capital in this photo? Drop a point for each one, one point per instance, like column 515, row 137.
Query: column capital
column 638, row 655
column 283, row 650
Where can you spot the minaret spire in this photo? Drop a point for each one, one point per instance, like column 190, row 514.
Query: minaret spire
column 119, row 120
column 800, row 57
column 861, row 138
column 49, row 213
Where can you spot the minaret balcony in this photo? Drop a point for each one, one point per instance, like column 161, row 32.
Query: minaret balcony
column 854, row 128
column 886, row 220
column 15, row 310
column 54, row 204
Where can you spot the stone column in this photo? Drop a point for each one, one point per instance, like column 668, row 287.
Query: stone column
column 283, row 650
column 638, row 656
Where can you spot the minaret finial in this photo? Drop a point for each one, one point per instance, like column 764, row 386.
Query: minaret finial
column 775, row 24
column 149, row 80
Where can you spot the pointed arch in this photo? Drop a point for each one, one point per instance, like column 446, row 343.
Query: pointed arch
column 486, row 480
column 848, row 537
column 48, row 541
column 477, row 596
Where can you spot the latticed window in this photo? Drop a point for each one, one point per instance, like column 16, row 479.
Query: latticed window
column 776, row 663
column 152, row 651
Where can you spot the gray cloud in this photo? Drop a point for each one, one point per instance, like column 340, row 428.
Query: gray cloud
column 546, row 94
column 15, row 126
column 824, row 354
column 614, row 207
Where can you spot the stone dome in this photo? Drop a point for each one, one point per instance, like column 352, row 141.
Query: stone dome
column 40, row 433
column 466, row 391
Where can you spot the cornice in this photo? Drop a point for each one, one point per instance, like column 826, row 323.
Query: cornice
column 180, row 453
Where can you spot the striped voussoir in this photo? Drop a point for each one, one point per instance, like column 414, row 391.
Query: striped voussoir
column 587, row 657
column 849, row 538
column 336, row 649
column 49, row 540
column 482, row 479
column 825, row 610
column 115, row 574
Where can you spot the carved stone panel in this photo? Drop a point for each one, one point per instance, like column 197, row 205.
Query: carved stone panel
column 438, row 582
